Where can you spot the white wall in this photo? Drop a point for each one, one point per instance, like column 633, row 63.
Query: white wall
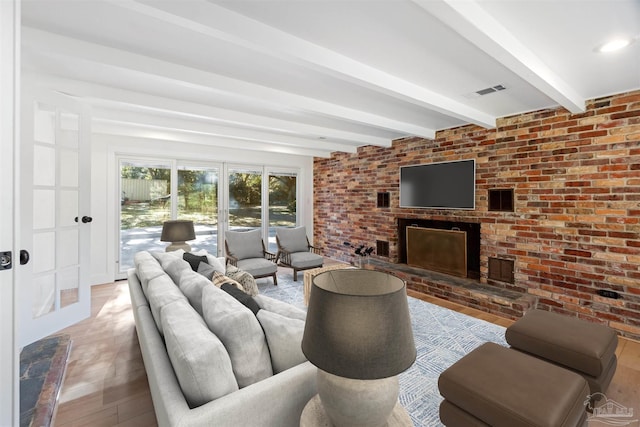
column 105, row 199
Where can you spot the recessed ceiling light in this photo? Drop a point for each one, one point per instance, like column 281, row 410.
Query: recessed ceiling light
column 613, row 45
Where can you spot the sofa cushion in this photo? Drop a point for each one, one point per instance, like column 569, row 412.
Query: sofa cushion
column 148, row 270
column 194, row 260
column 166, row 257
column 175, row 269
column 244, row 278
column 199, row 359
column 284, row 336
column 162, row 291
column 242, row 297
column 293, row 239
column 280, row 307
column 245, row 244
column 241, row 334
column 191, row 285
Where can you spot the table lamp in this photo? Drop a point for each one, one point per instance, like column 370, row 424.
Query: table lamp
column 177, row 232
column 358, row 334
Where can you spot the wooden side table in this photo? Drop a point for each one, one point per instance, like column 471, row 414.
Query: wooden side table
column 313, row 415
column 310, row 274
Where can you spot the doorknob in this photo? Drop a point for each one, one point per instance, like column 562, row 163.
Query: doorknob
column 86, row 219
column 24, row 256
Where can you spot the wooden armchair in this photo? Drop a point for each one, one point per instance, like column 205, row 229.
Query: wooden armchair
column 246, row 251
column 294, row 250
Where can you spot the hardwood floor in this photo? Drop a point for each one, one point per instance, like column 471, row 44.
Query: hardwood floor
column 106, row 384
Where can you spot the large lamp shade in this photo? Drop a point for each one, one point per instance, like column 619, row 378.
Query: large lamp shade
column 177, row 232
column 358, row 324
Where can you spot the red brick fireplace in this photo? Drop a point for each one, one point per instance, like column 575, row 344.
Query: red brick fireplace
column 575, row 225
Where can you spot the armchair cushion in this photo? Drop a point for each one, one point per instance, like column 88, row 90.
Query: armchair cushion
column 305, row 260
column 257, row 266
column 293, row 239
column 245, row 244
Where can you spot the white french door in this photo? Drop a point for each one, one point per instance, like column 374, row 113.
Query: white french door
column 55, row 226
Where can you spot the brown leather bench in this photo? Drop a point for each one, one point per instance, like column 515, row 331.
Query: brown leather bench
column 498, row 386
column 586, row 348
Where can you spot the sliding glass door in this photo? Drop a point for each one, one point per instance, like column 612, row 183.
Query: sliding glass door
column 245, row 199
column 198, row 202
column 216, row 197
column 283, row 203
column 145, row 203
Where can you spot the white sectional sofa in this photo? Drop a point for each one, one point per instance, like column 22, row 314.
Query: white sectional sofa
column 210, row 360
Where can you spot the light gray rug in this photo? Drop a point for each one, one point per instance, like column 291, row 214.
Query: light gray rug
column 442, row 337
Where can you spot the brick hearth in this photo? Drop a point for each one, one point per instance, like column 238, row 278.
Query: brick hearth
column 468, row 292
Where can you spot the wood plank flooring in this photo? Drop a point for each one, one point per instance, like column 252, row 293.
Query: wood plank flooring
column 106, row 384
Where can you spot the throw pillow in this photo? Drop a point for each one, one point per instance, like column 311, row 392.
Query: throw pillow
column 199, row 359
column 216, row 263
column 241, row 334
column 245, row 299
column 194, row 260
column 245, row 279
column 206, row 270
column 220, row 279
column 284, row 336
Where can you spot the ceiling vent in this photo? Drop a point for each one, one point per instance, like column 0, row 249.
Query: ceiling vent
column 489, row 90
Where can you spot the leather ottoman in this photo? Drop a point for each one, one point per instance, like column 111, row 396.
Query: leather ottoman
column 583, row 347
column 497, row 386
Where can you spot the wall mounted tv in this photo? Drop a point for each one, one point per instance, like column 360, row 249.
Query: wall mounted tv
column 444, row 185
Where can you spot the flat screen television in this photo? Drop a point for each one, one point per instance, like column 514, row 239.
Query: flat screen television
column 444, row 185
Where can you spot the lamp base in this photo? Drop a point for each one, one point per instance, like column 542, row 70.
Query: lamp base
column 357, row 403
column 314, row 415
column 174, row 246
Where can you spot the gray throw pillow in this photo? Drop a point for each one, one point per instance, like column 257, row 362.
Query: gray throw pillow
column 206, row 270
column 284, row 336
column 199, row 359
column 216, row 263
column 241, row 334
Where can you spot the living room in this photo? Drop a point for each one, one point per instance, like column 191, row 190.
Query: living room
column 559, row 142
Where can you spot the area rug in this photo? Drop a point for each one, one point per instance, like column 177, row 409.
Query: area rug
column 42, row 366
column 442, row 336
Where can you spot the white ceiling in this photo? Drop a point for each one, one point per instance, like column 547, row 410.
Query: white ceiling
column 311, row 77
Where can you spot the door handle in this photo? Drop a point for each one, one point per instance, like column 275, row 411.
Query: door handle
column 86, row 219
column 24, row 256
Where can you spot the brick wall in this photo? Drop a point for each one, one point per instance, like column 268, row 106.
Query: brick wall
column 576, row 225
